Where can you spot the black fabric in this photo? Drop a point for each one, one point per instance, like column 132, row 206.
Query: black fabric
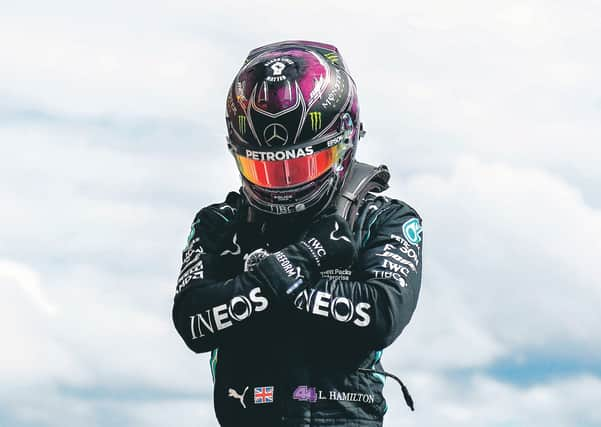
column 329, row 242
column 308, row 348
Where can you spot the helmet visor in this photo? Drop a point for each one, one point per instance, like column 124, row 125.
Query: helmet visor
column 286, row 168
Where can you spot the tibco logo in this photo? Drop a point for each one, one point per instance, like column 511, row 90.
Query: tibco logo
column 223, row 316
column 340, row 308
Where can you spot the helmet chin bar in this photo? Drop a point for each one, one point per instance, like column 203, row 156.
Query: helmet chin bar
column 323, row 195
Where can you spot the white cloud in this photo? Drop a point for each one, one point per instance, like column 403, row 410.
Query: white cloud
column 29, row 282
column 100, row 347
column 85, row 69
column 483, row 401
column 29, row 353
column 111, row 124
column 510, row 267
column 164, row 414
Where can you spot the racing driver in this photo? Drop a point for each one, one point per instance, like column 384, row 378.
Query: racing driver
column 298, row 281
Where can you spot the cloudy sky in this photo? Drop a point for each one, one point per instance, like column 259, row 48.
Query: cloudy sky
column 112, row 136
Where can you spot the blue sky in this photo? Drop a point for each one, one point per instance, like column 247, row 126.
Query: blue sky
column 112, row 136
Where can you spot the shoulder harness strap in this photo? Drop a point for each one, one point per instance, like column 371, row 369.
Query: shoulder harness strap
column 362, row 179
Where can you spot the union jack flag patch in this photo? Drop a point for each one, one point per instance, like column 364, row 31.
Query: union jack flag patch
column 264, row 394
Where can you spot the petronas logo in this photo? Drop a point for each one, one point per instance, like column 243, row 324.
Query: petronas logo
column 315, row 117
column 332, row 57
column 242, row 124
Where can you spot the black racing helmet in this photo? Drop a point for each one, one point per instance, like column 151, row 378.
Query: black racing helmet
column 292, row 118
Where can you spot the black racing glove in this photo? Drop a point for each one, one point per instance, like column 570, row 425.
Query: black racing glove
column 326, row 244
column 219, row 223
column 330, row 242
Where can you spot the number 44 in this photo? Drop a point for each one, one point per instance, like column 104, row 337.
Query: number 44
column 305, row 394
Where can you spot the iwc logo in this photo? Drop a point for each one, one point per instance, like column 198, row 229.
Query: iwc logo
column 275, row 69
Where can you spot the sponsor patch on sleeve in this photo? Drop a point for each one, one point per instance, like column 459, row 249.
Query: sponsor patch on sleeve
column 412, row 231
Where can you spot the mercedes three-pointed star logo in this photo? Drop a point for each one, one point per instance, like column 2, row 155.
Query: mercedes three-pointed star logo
column 275, row 133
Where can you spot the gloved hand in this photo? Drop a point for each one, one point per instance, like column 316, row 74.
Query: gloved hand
column 330, row 242
column 326, row 244
column 215, row 226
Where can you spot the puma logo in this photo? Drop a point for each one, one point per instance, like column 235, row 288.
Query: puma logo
column 233, row 210
column 336, row 228
column 236, row 250
column 233, row 393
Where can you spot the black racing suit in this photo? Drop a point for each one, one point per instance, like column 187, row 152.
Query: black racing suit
column 280, row 361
